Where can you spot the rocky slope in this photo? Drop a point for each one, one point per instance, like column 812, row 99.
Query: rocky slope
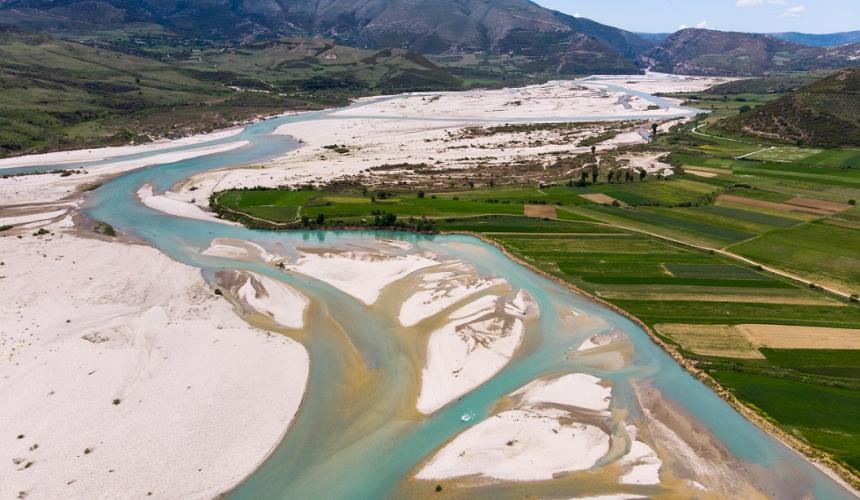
column 518, row 27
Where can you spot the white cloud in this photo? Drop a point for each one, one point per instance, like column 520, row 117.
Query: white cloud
column 793, row 12
column 702, row 24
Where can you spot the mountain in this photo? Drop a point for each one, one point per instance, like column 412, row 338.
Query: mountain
column 718, row 53
column 825, row 40
column 518, row 27
column 823, row 114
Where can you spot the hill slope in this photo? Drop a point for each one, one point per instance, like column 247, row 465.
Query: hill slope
column 426, row 26
column 823, row 114
column 707, row 52
column 56, row 94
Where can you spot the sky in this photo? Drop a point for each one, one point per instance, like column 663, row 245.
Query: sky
column 760, row 16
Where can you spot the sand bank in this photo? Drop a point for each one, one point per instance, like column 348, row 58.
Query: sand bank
column 247, row 251
column 362, row 275
column 178, row 208
column 374, row 137
column 576, row 389
column 534, row 441
column 520, row 445
column 551, row 100
column 440, row 289
column 478, row 341
column 275, row 299
column 121, row 373
column 97, row 154
column 47, row 188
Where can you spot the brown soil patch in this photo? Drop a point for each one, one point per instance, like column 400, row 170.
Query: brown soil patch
column 779, row 207
column 700, row 173
column 542, row 211
column 829, row 206
column 602, row 199
column 743, row 341
column 711, row 340
column 801, row 337
column 713, row 170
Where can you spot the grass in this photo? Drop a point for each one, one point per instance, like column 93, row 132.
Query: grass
column 827, row 417
column 815, row 250
column 826, row 362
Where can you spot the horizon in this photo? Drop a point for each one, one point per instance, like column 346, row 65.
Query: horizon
column 747, row 16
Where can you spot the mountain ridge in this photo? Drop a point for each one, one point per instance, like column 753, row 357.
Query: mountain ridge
column 696, row 51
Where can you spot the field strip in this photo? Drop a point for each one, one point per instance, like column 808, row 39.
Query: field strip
column 602, row 199
column 801, row 337
column 528, row 235
column 717, row 297
column 830, row 206
column 540, row 211
column 785, row 274
column 696, row 131
column 700, row 173
column 779, row 207
column 743, row 341
column 715, row 170
column 710, row 340
column 755, row 153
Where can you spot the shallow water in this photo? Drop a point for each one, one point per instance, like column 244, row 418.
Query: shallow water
column 357, row 434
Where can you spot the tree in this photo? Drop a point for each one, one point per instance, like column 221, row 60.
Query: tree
column 320, row 220
column 744, row 109
column 852, row 202
column 593, row 149
column 642, row 174
column 609, row 176
column 594, row 173
column 421, row 194
column 583, row 176
column 653, row 131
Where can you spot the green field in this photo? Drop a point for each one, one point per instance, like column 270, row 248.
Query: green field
column 828, row 417
column 821, row 252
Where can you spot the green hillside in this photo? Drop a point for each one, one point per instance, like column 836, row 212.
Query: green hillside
column 823, row 114
column 60, row 95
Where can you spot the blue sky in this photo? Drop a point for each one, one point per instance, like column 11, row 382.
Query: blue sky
column 763, row 16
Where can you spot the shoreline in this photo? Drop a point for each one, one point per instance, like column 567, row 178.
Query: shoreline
column 819, row 459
